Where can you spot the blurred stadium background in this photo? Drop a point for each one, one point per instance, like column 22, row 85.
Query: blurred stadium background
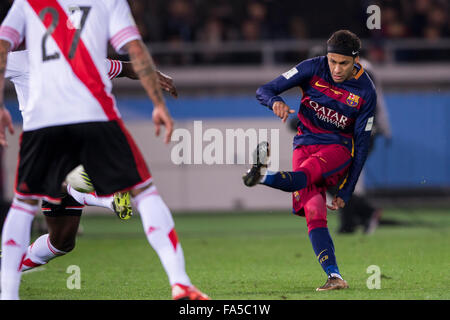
column 219, row 52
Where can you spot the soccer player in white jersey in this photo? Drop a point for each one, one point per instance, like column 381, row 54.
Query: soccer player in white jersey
column 71, row 104
column 63, row 219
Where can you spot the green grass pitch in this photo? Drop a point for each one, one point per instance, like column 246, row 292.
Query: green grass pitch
column 253, row 256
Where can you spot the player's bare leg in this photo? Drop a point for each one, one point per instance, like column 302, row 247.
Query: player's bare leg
column 60, row 239
column 159, row 228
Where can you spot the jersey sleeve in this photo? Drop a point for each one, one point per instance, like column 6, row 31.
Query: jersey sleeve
column 268, row 93
column 13, row 27
column 114, row 68
column 122, row 28
column 362, row 131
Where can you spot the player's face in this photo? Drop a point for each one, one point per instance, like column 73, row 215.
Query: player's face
column 341, row 67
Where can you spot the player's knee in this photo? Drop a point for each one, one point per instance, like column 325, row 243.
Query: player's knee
column 316, row 213
column 31, row 202
column 315, row 220
column 136, row 192
column 313, row 169
column 63, row 244
column 315, row 208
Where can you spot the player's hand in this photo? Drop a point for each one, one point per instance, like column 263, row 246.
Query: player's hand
column 282, row 110
column 336, row 203
column 5, row 122
column 161, row 116
column 167, row 84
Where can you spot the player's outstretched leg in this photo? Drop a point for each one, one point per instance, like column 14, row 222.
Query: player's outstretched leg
column 159, row 228
column 120, row 203
column 316, row 219
column 283, row 180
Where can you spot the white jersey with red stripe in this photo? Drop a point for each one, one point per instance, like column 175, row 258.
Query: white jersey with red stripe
column 17, row 71
column 67, row 43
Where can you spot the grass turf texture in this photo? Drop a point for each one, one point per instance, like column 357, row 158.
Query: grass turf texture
column 254, row 256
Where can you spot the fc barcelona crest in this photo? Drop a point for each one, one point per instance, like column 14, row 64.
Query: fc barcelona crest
column 352, row 100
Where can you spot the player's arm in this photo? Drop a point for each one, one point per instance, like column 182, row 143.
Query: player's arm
column 362, row 132
column 5, row 117
column 144, row 68
column 11, row 35
column 165, row 81
column 269, row 93
column 4, row 49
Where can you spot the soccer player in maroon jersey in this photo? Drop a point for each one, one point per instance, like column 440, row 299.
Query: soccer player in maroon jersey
column 333, row 134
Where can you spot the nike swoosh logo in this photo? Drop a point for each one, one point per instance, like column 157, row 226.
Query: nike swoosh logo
column 322, row 86
column 354, row 52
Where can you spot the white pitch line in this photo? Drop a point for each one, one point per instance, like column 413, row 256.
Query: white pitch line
column 34, row 270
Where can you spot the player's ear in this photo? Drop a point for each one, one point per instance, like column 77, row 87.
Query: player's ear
column 356, row 60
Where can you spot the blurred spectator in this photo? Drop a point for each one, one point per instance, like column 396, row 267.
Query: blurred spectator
column 419, row 17
column 179, row 28
column 212, row 35
column 437, row 19
column 298, row 28
column 251, row 30
column 255, row 26
column 392, row 26
column 180, row 21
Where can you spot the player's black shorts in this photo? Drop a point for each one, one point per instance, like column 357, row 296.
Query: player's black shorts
column 107, row 151
column 68, row 207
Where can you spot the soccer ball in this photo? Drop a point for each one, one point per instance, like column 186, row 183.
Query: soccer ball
column 79, row 180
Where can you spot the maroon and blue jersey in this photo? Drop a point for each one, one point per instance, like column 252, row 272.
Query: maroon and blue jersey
column 330, row 112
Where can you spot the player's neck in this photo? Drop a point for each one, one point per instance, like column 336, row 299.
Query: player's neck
column 352, row 74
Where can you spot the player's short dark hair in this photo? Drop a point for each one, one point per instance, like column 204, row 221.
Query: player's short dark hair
column 345, row 40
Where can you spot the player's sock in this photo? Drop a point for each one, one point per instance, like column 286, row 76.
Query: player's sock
column 289, row 181
column 324, row 249
column 15, row 239
column 40, row 252
column 316, row 219
column 160, row 230
column 90, row 199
